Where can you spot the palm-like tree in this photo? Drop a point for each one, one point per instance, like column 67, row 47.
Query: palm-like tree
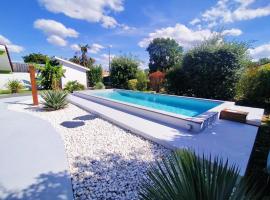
column 185, row 176
column 84, row 57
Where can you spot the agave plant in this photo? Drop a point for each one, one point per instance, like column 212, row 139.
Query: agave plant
column 54, row 99
column 185, row 176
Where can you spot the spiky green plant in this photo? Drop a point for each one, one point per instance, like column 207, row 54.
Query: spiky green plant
column 185, row 176
column 14, row 86
column 54, row 99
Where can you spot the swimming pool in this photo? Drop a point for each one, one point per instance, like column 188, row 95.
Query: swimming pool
column 190, row 113
column 178, row 105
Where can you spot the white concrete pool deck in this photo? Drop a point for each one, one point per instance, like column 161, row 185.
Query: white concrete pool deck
column 227, row 139
column 33, row 159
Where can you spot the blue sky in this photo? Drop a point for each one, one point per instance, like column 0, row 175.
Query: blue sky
column 56, row 27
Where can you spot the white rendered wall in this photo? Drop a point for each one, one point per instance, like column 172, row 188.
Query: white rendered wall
column 23, row 77
column 4, row 61
column 73, row 74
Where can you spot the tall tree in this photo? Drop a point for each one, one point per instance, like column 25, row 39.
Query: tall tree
column 210, row 70
column 164, row 53
column 39, row 58
column 82, row 57
column 263, row 61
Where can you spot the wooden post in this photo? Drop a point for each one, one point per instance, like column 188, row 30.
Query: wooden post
column 32, row 72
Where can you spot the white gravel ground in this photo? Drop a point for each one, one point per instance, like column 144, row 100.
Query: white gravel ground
column 105, row 161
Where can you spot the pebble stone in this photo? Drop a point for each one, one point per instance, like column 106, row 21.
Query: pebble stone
column 105, row 161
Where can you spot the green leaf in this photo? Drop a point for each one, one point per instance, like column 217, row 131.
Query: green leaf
column 185, row 176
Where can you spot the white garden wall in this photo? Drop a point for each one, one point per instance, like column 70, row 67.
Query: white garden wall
column 73, row 72
column 23, row 77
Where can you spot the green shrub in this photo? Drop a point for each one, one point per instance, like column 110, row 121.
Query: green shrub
column 142, row 80
column 175, row 81
column 49, row 76
column 14, row 86
column 123, row 68
column 183, row 175
column 157, row 81
column 132, row 84
column 94, row 75
column 99, row 86
column 2, row 52
column 210, row 70
column 107, row 80
column 73, row 86
column 54, row 99
column 254, row 85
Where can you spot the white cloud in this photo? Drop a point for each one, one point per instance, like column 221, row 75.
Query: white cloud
column 56, row 40
column 95, row 48
column 128, row 30
column 195, row 21
column 75, row 47
column 228, row 11
column 4, row 40
column 15, row 48
column 52, row 27
column 232, row 32
column 143, row 65
column 11, row 47
column 90, row 10
column 262, row 51
column 103, row 59
column 125, row 27
column 183, row 35
column 109, row 22
column 56, row 31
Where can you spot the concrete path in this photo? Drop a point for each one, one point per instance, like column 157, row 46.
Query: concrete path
column 33, row 161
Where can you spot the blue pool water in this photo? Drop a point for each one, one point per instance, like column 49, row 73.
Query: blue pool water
column 177, row 105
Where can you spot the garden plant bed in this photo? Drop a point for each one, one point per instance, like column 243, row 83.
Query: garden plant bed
column 258, row 158
column 105, row 161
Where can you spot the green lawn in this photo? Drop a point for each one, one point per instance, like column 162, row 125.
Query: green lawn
column 3, row 92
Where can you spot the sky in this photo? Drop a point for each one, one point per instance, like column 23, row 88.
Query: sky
column 56, row 27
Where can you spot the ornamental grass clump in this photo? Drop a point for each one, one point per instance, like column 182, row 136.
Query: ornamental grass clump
column 185, row 176
column 54, row 99
column 14, row 86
